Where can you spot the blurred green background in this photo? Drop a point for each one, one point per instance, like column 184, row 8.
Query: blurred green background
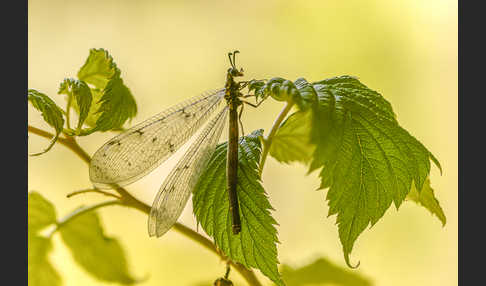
column 171, row 50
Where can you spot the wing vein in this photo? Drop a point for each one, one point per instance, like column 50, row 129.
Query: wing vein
column 139, row 150
column 177, row 187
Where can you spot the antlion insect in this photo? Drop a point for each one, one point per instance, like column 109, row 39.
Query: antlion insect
column 139, row 150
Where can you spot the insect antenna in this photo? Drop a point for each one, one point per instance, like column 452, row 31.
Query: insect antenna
column 234, row 58
column 231, row 61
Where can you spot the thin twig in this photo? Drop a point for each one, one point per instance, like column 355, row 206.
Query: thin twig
column 80, row 211
column 128, row 200
column 92, row 191
column 67, row 141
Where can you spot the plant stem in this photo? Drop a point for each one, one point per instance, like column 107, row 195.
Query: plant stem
column 267, row 142
column 68, row 111
column 128, row 200
column 68, row 142
column 92, row 191
column 81, row 211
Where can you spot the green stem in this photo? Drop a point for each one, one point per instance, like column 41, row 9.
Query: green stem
column 267, row 142
column 68, row 142
column 68, row 110
column 81, row 211
column 92, row 191
column 128, row 200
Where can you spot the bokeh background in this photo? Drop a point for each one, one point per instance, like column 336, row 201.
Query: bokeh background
column 171, row 50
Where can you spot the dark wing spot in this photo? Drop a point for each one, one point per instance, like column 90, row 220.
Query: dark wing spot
column 112, row 143
column 171, row 147
column 154, row 139
column 139, row 132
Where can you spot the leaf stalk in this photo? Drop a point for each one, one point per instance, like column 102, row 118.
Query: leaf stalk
column 267, row 141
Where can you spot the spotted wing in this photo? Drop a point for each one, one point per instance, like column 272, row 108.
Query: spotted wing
column 139, row 150
column 177, row 187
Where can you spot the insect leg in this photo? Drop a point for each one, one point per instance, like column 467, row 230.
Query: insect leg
column 252, row 104
column 239, row 119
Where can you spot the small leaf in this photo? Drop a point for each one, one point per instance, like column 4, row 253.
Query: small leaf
column 81, row 93
column 93, row 115
column 101, row 256
column 117, row 105
column 51, row 113
column 427, row 199
column 256, row 86
column 113, row 103
column 40, row 270
column 98, row 69
column 41, row 212
column 255, row 246
column 307, row 95
column 368, row 161
column 322, row 272
column 300, row 91
column 291, row 142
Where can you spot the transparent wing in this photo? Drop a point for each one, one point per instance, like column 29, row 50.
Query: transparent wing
column 139, row 150
column 177, row 187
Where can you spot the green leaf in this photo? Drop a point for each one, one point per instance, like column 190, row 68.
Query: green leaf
column 256, row 85
column 41, row 212
column 51, row 113
column 40, row 270
column 427, row 199
column 81, row 93
column 291, row 142
column 300, row 91
column 322, row 272
column 255, row 246
column 98, row 69
column 113, row 103
column 117, row 105
column 367, row 159
column 101, row 256
column 93, row 115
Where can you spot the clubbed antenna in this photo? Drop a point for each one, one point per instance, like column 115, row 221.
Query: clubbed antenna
column 233, row 61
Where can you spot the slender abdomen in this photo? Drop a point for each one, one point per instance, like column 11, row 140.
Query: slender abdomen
column 232, row 167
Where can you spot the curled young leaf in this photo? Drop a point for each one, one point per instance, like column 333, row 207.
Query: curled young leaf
column 81, row 93
column 51, row 113
column 281, row 89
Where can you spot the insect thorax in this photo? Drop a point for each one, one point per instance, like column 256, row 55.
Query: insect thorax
column 232, row 90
